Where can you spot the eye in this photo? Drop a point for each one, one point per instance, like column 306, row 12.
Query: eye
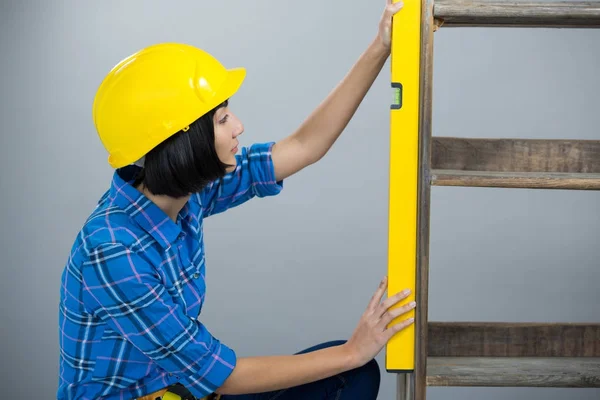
column 224, row 119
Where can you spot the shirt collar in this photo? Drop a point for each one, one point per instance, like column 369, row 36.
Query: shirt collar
column 142, row 210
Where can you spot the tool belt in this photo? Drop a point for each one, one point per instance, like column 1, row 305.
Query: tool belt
column 176, row 392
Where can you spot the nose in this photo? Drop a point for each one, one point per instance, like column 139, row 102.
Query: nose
column 238, row 127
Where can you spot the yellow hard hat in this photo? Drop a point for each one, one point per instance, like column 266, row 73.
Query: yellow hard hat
column 154, row 94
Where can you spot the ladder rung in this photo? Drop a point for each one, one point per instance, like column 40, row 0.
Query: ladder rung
column 583, row 372
column 562, row 14
column 510, row 339
column 515, row 155
column 531, row 180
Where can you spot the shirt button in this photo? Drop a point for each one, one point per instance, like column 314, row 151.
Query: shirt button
column 196, row 275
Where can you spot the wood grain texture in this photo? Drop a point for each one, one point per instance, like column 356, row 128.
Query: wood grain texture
column 485, row 339
column 530, row 180
column 516, row 155
column 562, row 14
column 424, row 197
column 514, row 372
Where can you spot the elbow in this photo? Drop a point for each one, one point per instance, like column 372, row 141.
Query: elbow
column 313, row 152
column 308, row 154
column 314, row 158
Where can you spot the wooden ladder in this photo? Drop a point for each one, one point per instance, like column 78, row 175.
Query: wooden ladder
column 471, row 353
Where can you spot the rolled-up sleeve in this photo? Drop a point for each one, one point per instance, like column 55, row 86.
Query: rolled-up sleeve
column 254, row 176
column 125, row 291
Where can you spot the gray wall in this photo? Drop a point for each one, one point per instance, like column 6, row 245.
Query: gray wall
column 291, row 271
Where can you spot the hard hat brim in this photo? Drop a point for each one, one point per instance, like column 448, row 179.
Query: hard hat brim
column 233, row 83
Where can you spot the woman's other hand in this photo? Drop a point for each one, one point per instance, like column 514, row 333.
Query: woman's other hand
column 372, row 332
column 385, row 24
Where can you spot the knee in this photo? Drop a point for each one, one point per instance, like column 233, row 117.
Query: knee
column 364, row 381
column 372, row 372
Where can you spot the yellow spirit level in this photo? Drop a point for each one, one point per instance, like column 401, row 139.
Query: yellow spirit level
column 403, row 183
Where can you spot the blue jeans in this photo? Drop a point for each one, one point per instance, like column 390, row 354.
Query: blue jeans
column 360, row 383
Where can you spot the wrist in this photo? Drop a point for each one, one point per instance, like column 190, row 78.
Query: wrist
column 350, row 357
column 380, row 48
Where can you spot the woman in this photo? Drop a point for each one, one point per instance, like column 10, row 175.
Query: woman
column 134, row 286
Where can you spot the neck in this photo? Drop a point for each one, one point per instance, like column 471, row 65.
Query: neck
column 170, row 205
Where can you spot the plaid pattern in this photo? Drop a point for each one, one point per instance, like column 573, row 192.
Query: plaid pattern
column 134, row 285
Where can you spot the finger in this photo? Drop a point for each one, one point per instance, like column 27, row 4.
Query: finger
column 390, row 301
column 394, row 313
column 376, row 299
column 388, row 2
column 393, row 8
column 390, row 332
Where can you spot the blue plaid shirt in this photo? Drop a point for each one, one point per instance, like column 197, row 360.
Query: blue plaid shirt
column 134, row 285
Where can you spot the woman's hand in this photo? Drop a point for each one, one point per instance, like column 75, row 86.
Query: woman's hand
column 372, row 332
column 268, row 373
column 385, row 24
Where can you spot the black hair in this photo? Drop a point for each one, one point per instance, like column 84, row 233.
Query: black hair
column 185, row 162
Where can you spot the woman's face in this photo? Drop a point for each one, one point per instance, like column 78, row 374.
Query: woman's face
column 227, row 128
